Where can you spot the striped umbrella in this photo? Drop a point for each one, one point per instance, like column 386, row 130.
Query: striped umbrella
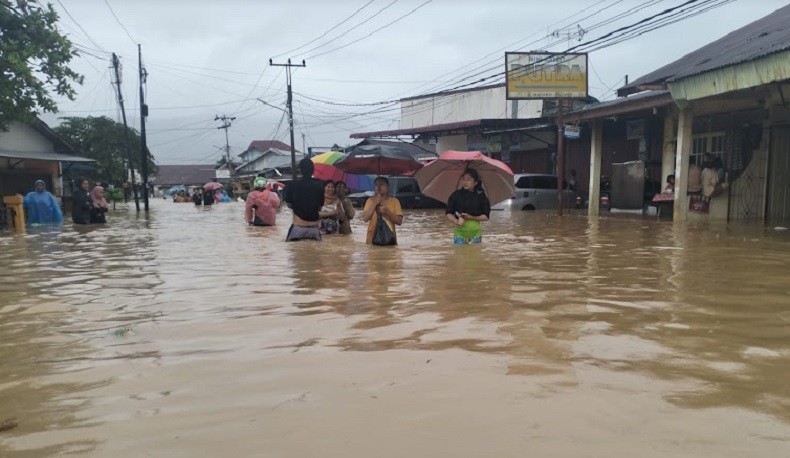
column 325, row 170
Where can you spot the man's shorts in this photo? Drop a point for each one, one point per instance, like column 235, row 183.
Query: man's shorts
column 296, row 233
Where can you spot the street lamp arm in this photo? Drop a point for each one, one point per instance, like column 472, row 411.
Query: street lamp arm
column 270, row 105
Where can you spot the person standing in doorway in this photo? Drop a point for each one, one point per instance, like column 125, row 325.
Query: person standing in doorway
column 695, row 180
column 305, row 196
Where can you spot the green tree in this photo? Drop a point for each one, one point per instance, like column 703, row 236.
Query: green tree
column 103, row 139
column 34, row 59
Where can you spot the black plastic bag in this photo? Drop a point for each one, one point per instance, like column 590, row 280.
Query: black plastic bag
column 383, row 235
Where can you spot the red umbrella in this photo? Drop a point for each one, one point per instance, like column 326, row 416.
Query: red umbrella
column 442, row 177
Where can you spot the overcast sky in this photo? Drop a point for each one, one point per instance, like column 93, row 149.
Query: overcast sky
column 211, row 58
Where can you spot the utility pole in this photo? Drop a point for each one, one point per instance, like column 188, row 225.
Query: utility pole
column 116, row 65
column 304, row 145
column 226, row 121
column 290, row 109
column 560, row 156
column 143, row 115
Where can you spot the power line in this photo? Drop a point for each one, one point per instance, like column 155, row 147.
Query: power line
column 587, row 46
column 134, row 42
column 334, row 27
column 371, row 33
column 497, row 61
column 350, row 29
column 87, row 35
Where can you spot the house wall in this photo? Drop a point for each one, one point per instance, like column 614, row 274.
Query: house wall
column 22, row 137
column 18, row 176
column 451, row 143
column 490, row 103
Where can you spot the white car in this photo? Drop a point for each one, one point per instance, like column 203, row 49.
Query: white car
column 534, row 191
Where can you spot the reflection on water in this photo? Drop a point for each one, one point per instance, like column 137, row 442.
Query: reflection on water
column 191, row 334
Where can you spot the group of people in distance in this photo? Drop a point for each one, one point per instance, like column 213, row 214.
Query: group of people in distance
column 321, row 208
column 200, row 197
column 89, row 206
column 709, row 180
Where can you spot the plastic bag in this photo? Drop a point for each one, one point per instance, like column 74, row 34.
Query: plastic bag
column 383, row 235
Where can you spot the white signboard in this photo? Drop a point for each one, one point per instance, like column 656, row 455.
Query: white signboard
column 222, row 174
column 572, row 132
column 546, row 75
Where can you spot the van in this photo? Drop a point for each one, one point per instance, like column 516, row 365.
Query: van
column 407, row 191
column 534, row 191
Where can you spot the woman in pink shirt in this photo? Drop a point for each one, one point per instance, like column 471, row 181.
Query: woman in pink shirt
column 261, row 205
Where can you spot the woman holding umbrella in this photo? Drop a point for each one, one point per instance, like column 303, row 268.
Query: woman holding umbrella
column 467, row 207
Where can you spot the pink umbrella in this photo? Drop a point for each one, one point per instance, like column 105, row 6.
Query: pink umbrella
column 443, row 176
column 212, row 186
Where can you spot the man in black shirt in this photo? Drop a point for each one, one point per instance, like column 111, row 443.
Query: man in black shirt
column 305, row 196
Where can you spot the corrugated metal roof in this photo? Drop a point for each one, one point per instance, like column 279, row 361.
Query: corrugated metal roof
column 471, row 126
column 263, row 145
column 419, row 130
column 417, row 151
column 44, row 156
column 765, row 36
column 622, row 105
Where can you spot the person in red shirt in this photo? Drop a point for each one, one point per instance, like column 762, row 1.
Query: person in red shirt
column 261, row 206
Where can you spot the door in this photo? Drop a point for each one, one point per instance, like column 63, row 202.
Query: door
column 546, row 189
column 778, row 176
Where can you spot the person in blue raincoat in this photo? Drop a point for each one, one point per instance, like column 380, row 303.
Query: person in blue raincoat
column 41, row 206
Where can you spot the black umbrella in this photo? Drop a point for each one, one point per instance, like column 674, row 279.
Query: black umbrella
column 379, row 159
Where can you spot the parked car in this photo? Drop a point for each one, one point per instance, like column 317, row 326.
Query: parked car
column 358, row 198
column 407, row 191
column 535, row 191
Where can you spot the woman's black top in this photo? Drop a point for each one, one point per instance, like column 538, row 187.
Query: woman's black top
column 97, row 215
column 474, row 203
column 208, row 198
column 81, row 212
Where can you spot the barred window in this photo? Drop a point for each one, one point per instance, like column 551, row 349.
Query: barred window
column 712, row 143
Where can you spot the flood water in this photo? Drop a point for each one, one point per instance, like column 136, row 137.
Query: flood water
column 190, row 334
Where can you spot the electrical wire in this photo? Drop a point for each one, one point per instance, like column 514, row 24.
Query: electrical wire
column 334, row 27
column 134, row 42
column 371, row 33
column 350, row 29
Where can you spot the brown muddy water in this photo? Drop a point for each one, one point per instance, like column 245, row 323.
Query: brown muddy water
column 189, row 334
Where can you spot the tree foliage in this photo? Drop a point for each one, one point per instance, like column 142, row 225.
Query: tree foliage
column 34, row 59
column 103, row 139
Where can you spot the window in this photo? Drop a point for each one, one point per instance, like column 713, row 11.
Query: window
column 537, row 182
column 405, row 186
column 712, row 143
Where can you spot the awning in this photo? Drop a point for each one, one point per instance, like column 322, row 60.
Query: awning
column 621, row 106
column 43, row 156
column 475, row 126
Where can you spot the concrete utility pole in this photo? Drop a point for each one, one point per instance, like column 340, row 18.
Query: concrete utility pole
column 560, row 156
column 304, row 145
column 225, row 125
column 143, row 115
column 116, row 65
column 290, row 109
